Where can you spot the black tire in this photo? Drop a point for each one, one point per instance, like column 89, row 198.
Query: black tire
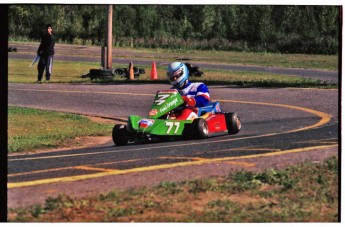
column 141, row 71
column 106, row 74
column 95, row 73
column 233, row 123
column 120, row 135
column 200, row 128
column 136, row 70
column 118, row 72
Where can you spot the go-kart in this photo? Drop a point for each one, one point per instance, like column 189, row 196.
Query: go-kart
column 161, row 122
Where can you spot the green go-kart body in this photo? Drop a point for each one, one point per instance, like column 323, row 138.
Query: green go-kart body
column 156, row 123
column 162, row 123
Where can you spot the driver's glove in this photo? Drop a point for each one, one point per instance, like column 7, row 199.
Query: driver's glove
column 189, row 101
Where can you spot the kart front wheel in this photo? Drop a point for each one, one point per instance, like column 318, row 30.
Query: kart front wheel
column 200, row 128
column 120, row 135
column 233, row 123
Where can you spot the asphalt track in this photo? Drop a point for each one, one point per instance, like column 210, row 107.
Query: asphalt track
column 274, row 122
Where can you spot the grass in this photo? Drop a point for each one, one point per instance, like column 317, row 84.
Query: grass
column 70, row 72
column 31, row 129
column 324, row 62
column 302, row 193
column 63, row 72
column 305, row 61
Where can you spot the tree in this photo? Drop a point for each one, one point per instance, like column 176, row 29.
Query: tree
column 276, row 28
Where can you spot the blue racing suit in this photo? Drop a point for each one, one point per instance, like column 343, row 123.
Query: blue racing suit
column 198, row 91
column 195, row 95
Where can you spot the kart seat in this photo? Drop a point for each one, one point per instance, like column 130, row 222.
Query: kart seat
column 211, row 107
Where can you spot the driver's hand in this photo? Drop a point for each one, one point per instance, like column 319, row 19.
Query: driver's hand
column 189, row 101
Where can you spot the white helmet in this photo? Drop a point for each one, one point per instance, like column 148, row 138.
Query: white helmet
column 177, row 74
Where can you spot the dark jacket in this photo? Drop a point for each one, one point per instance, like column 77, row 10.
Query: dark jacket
column 47, row 45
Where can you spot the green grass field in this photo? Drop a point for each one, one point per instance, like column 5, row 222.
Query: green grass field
column 71, row 72
column 305, row 61
column 31, row 129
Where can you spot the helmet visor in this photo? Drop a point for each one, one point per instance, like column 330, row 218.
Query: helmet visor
column 174, row 76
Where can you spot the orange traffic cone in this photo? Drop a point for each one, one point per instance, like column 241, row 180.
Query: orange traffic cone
column 154, row 71
column 131, row 71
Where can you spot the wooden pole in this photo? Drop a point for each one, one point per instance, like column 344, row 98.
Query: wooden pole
column 110, row 37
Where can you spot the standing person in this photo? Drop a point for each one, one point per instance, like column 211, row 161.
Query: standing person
column 46, row 53
column 194, row 94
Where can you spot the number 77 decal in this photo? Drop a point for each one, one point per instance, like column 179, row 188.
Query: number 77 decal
column 171, row 125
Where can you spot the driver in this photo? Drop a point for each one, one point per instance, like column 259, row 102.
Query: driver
column 194, row 94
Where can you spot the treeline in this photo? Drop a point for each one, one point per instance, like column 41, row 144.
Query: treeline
column 282, row 29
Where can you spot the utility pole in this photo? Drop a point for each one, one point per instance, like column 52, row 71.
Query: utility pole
column 110, row 37
column 107, row 49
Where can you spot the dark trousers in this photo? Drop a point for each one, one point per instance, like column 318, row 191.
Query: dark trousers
column 45, row 63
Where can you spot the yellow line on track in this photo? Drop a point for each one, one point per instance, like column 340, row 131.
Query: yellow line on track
column 90, row 168
column 181, row 158
column 240, row 149
column 94, row 168
column 325, row 118
column 78, row 167
column 157, row 167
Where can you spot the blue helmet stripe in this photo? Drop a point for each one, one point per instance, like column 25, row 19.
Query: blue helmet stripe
column 179, row 66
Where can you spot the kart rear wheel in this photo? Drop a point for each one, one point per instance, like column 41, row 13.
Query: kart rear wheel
column 200, row 128
column 233, row 123
column 120, row 135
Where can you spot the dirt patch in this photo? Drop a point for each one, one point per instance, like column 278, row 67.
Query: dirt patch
column 106, row 120
column 92, row 141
